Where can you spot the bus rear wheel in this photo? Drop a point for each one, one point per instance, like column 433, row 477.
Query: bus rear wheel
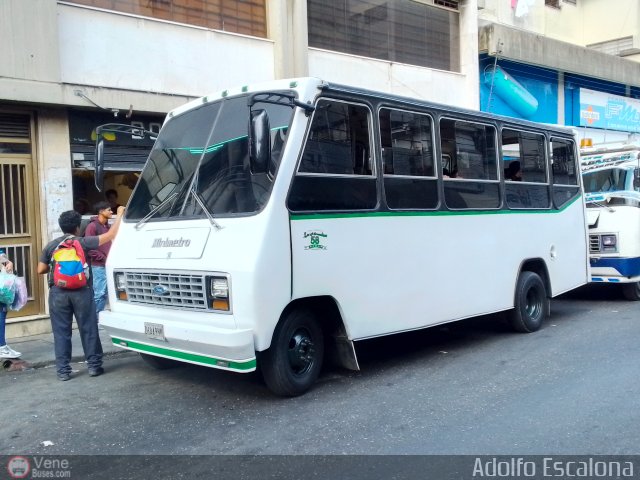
column 159, row 363
column 531, row 304
column 293, row 361
column 631, row 291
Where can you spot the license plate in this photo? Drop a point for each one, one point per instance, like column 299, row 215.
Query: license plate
column 154, row 330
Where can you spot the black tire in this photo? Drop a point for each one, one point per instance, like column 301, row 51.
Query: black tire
column 631, row 291
column 159, row 363
column 293, row 361
column 531, row 304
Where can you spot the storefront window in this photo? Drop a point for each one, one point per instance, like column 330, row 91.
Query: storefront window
column 125, row 155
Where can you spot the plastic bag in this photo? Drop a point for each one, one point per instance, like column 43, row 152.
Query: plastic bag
column 21, row 295
column 7, row 287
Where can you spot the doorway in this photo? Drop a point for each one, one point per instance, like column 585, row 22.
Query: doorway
column 20, row 203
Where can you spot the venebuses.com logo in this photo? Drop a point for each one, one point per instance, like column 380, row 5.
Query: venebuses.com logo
column 18, row 467
column 38, row 467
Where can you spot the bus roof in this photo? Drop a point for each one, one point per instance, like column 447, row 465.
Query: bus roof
column 560, row 129
column 625, row 156
column 309, row 87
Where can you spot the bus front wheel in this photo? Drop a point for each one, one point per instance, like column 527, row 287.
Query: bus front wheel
column 531, row 303
column 631, row 291
column 293, row 361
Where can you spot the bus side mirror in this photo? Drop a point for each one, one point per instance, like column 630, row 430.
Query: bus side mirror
column 99, row 163
column 259, row 141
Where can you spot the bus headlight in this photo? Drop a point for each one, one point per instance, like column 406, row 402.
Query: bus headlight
column 121, row 284
column 219, row 293
column 609, row 243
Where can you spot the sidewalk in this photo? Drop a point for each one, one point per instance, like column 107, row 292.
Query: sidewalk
column 37, row 350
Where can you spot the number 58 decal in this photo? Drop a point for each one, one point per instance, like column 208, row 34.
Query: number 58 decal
column 315, row 239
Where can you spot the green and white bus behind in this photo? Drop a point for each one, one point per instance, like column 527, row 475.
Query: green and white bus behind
column 277, row 224
column 611, row 178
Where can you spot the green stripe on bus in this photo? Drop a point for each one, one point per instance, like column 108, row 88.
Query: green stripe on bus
column 191, row 357
column 427, row 213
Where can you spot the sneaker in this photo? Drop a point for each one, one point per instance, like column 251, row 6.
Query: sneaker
column 7, row 352
column 63, row 377
column 96, row 372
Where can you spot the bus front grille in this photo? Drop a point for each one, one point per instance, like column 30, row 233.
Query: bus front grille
column 594, row 244
column 175, row 290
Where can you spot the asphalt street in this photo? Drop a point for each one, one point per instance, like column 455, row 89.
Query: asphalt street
column 473, row 387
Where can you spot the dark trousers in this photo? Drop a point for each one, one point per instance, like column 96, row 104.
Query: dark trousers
column 63, row 305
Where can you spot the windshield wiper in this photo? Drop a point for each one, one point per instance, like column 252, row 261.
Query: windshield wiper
column 204, row 209
column 194, row 194
column 144, row 219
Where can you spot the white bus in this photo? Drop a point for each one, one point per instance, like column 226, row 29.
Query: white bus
column 611, row 178
column 277, row 224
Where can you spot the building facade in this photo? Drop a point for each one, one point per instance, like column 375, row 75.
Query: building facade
column 567, row 62
column 72, row 65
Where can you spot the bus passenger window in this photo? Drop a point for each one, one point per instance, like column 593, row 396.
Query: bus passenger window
column 338, row 141
column 565, row 171
column 523, row 156
column 469, row 155
column 471, row 148
column 336, row 171
column 408, row 159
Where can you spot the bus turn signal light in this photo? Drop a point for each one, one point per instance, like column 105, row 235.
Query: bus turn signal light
column 220, row 304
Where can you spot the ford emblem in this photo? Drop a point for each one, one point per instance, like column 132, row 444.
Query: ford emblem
column 160, row 290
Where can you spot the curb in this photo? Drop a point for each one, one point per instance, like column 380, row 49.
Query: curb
column 74, row 359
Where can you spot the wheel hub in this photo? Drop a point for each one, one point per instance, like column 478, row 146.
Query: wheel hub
column 301, row 352
column 533, row 304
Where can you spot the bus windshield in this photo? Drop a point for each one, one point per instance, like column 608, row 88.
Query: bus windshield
column 608, row 180
column 204, row 152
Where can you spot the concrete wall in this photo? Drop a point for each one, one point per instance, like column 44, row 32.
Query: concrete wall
column 451, row 88
column 400, row 79
column 29, row 39
column 132, row 53
column 120, row 60
column 53, row 50
column 529, row 48
column 54, row 154
column 608, row 20
column 587, row 22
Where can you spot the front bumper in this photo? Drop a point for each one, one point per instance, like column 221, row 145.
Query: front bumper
column 226, row 349
column 615, row 270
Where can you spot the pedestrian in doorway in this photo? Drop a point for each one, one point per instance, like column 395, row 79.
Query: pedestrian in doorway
column 5, row 350
column 99, row 225
column 66, row 303
column 112, row 197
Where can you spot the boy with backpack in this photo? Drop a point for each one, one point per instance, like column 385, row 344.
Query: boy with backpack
column 71, row 292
